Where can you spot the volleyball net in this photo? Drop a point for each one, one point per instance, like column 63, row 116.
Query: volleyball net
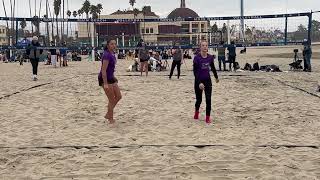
column 257, row 30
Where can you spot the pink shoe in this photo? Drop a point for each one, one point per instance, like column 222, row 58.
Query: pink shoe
column 208, row 121
column 196, row 115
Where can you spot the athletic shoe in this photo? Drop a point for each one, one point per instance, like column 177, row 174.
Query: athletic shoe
column 35, row 78
column 196, row 115
column 208, row 121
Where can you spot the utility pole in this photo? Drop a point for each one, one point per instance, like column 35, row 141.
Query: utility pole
column 62, row 32
column 30, row 16
column 47, row 23
column 242, row 21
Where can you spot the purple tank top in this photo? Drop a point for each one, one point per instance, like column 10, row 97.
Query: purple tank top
column 203, row 66
column 108, row 56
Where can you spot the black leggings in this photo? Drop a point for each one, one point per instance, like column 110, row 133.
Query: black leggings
column 174, row 64
column 232, row 61
column 208, row 94
column 34, row 63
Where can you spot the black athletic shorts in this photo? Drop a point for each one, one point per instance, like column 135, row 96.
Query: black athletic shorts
column 111, row 81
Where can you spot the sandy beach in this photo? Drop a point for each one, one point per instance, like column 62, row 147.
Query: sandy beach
column 266, row 125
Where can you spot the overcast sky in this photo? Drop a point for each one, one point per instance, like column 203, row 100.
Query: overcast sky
column 202, row 7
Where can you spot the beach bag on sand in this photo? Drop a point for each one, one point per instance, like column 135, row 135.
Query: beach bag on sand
column 236, row 65
column 247, row 67
column 256, row 67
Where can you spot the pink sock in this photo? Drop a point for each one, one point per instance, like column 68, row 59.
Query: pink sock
column 196, row 115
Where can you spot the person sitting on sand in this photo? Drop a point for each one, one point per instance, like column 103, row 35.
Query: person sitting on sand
column 107, row 80
column 202, row 64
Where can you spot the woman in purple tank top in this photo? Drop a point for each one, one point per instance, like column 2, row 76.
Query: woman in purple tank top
column 203, row 63
column 107, row 79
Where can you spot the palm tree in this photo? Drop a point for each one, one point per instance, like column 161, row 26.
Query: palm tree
column 99, row 9
column 5, row 13
column 80, row 13
column 62, row 26
column 135, row 13
column 23, row 25
column 94, row 15
column 30, row 15
column 69, row 15
column 248, row 32
column 132, row 2
column 75, row 14
column 94, row 11
column 12, row 26
column 224, row 31
column 57, row 6
column 214, row 28
column 86, row 7
column 46, row 16
column 36, row 23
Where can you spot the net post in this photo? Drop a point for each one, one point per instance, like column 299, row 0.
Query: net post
column 286, row 31
column 17, row 31
column 310, row 28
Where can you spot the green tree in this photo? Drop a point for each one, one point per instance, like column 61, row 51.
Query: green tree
column 36, row 23
column 132, row 2
column 214, row 28
column 248, row 32
column 302, row 28
column 23, row 25
column 80, row 12
column 69, row 13
column 315, row 30
column 86, row 8
column 99, row 9
column 224, row 31
column 74, row 14
column 57, row 6
column 94, row 12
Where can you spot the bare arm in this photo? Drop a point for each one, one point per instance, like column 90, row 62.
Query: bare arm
column 105, row 64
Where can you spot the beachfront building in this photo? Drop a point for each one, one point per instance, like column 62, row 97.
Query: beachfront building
column 123, row 31
column 154, row 33
column 3, row 35
column 176, row 32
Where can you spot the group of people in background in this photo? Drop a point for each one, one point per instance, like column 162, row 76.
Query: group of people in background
column 232, row 54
